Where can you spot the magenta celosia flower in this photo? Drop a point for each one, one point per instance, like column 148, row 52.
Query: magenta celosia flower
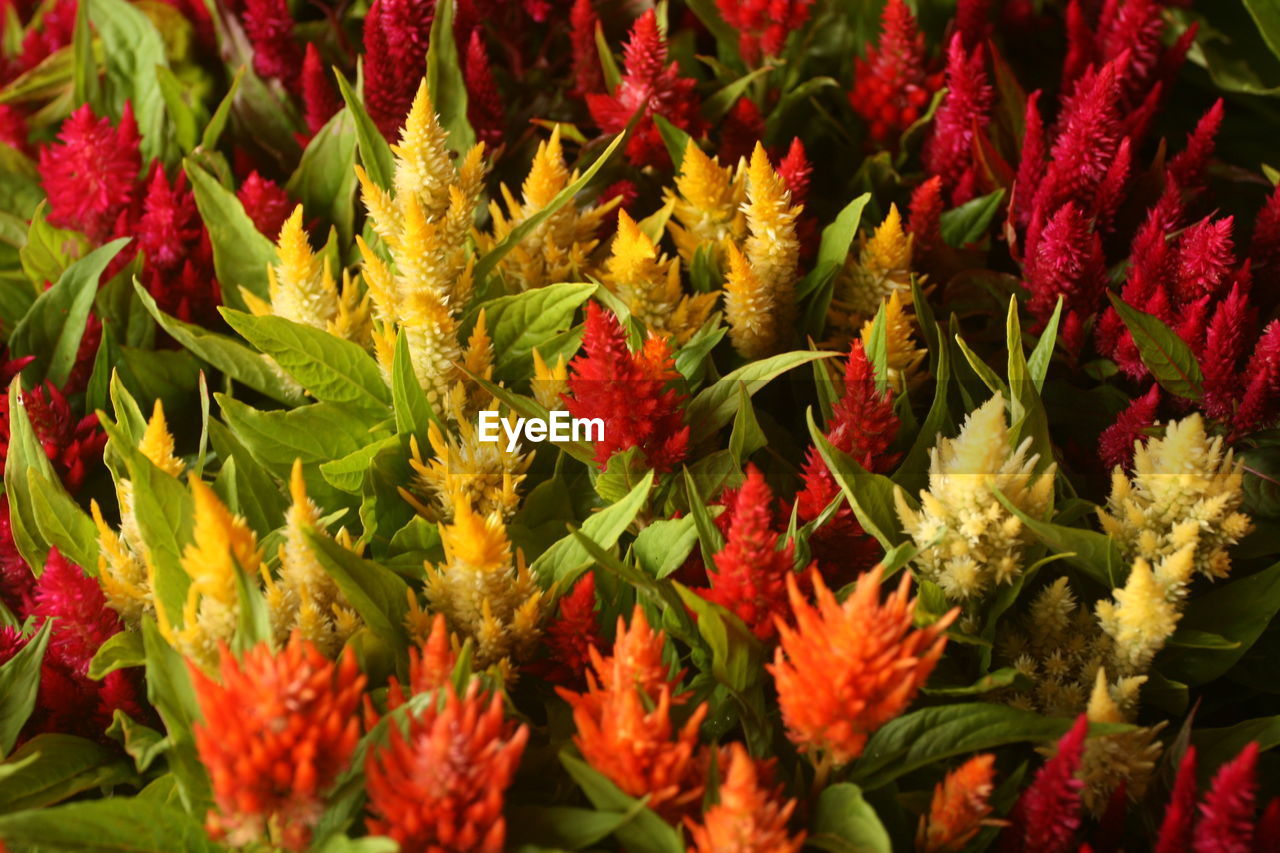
column 90, row 174
column 924, row 217
column 570, row 637
column 73, row 446
column 319, row 99
column 13, row 127
column 1227, row 335
column 1065, row 260
column 948, row 153
column 749, row 574
column 17, row 583
column 1047, row 815
column 973, row 22
column 1226, row 812
column 763, row 25
column 1264, row 246
column 890, row 87
column 650, row 83
column 629, row 392
column 1175, row 829
column 1115, row 445
column 82, row 619
column 55, row 31
column 588, row 76
column 178, row 269
column 862, row 425
column 266, row 203
column 276, row 53
column 396, row 33
column 1190, row 164
column 1260, row 401
column 484, row 103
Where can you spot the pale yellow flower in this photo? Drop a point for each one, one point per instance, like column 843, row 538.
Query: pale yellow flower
column 1126, row 757
column 549, row 382
column 1146, row 609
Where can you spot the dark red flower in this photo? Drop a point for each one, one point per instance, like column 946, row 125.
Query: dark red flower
column 266, row 203
column 924, row 217
column 1189, row 166
column 484, row 103
column 319, row 99
column 570, row 637
column 890, row 87
column 1260, row 401
column 178, row 270
column 1175, row 829
column 1115, row 445
column 1047, row 815
column 90, row 174
column 396, row 33
column 82, row 619
column 276, row 53
column 588, row 76
column 763, row 25
column 73, row 446
column 966, row 110
column 1226, row 813
column 13, row 127
column 629, row 392
column 741, row 129
column 1065, row 260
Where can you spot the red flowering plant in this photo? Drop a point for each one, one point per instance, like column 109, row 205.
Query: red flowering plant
column 734, row 426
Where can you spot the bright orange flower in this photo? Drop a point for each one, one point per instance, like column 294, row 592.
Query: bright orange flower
column 442, row 787
column 846, row 669
column 275, row 734
column 959, row 807
column 749, row 817
column 430, row 666
column 624, row 723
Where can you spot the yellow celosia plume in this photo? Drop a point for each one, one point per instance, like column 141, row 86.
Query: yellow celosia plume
column 904, row 356
column 649, row 283
column 549, row 382
column 883, row 267
column 707, row 204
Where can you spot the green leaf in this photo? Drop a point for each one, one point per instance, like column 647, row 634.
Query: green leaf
column 347, row 473
column 845, row 823
column 26, row 453
column 878, row 349
column 737, row 657
column 518, row 323
column 113, row 825
column 620, row 475
column 1238, row 612
column 675, row 139
column 664, row 545
column 241, row 255
column 718, row 103
column 19, row 682
column 726, row 36
column 486, row 265
column 1094, row 553
column 870, row 495
column 1038, row 361
column 412, row 408
column 121, row 650
column 746, row 437
column 929, row 735
column 61, row 521
column 54, row 325
column 1217, row 746
column 444, row 81
column 182, row 117
column 375, row 592
column 563, row 827
column 330, row 368
column 169, row 690
column 143, row 743
column 969, row 222
column 230, row 356
column 253, row 622
column 645, row 832
column 710, row 538
column 316, row 433
column 48, row 251
column 55, row 767
column 833, row 249
column 87, row 88
column 1266, row 14
column 564, row 561
column 375, row 153
column 325, row 180
column 133, row 48
column 1165, row 354
column 218, row 121
column 608, row 65
column 716, row 404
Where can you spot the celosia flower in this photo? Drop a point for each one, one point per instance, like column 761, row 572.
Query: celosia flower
column 651, row 84
column 587, row 73
column 396, row 33
column 1189, row 165
column 862, row 425
column 1047, row 815
column 846, row 669
column 763, row 25
column 571, row 636
column 17, row 583
column 481, row 591
column 1121, row 763
column 319, row 100
column 178, row 270
column 624, row 723
column 1175, row 828
column 484, row 102
column 890, row 87
column 1226, row 812
column 707, row 202
column 304, row 598
column 276, row 53
column 1066, row 262
column 265, row 201
column 13, row 128
column 740, row 131
column 649, row 284
column 964, row 111
column 959, row 807
column 560, row 247
column 883, row 267
column 924, row 217
column 748, row 817
column 221, row 544
column 970, row 543
column 440, row 785
column 903, row 356
column 74, row 601
column 1147, row 608
column 749, row 574
column 276, row 730
column 1261, row 397
column 1116, row 444
column 72, row 446
column 1185, row 490
column 629, row 392
column 90, row 175
column 549, row 383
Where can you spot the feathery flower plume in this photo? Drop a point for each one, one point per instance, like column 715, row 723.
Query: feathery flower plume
column 396, row 33
column 1185, row 491
column 74, row 601
column 1146, row 609
column 483, row 593
column 587, row 73
column 320, row 100
column 883, row 267
column 72, row 446
column 749, row 574
column 924, row 217
column 1067, row 261
column 90, row 174
column 1047, row 815
column 959, row 807
column 979, row 543
column 628, row 391
column 277, row 729
column 1118, row 764
column 178, row 269
column 560, row 248
column 903, row 357
column 484, row 102
column 1175, row 828
column 571, row 637
column 1116, row 444
column 549, row 382
column 304, row 598
column 1260, row 401
column 844, row 670
column 276, row 53
column 441, row 784
column 651, row 84
column 624, row 723
column 964, row 111
column 763, row 25
column 1226, row 812
column 749, row 817
column 890, row 87
column 1189, row 165
column 707, row 202
column 221, row 545
column 649, row 283
column 266, row 203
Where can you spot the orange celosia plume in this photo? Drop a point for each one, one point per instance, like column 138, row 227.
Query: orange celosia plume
column 959, row 807
column 442, row 786
column 749, row 818
column 846, row 669
column 624, row 723
column 275, row 734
